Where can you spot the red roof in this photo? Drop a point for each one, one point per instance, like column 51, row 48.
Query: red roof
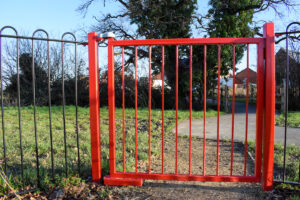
column 242, row 75
column 157, row 77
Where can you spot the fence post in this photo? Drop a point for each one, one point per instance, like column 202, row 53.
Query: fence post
column 111, row 108
column 94, row 106
column 269, row 117
column 283, row 96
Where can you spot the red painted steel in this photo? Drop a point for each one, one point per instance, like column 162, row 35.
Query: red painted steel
column 191, row 107
column 259, row 108
column 111, row 179
column 108, row 180
column 111, row 107
column 123, row 107
column 135, row 99
column 186, row 177
column 186, row 41
column 162, row 109
column 269, row 119
column 149, row 106
column 218, row 119
column 246, row 128
column 135, row 178
column 233, row 99
column 176, row 147
column 94, row 106
column 204, row 110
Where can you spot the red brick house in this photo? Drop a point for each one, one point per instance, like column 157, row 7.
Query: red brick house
column 157, row 81
column 241, row 77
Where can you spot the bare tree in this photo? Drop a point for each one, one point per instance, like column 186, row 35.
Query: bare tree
column 40, row 58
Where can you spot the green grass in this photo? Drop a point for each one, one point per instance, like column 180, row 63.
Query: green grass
column 292, row 160
column 13, row 140
column 293, row 119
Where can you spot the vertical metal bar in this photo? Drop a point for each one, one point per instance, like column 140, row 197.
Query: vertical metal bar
column 123, row 108
column 135, row 100
column 2, row 111
column 94, row 106
column 162, row 108
column 63, row 104
column 76, row 110
column 247, row 101
column 286, row 108
column 49, row 100
column 269, row 119
column 50, row 111
column 111, row 107
column 259, row 109
column 286, row 97
column 149, row 107
column 204, row 110
column 34, row 116
column 233, row 105
column 176, row 147
column 218, row 119
column 191, row 108
column 76, row 103
column 19, row 112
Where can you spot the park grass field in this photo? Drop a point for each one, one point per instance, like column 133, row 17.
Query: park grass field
column 292, row 160
column 27, row 122
column 12, row 139
column 293, row 119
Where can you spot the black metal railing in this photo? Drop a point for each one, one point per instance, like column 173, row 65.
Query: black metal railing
column 295, row 39
column 290, row 36
column 34, row 38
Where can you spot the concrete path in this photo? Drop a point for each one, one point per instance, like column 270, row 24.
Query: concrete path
column 293, row 134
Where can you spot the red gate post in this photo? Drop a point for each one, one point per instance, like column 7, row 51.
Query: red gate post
column 111, row 108
column 94, row 106
column 113, row 179
column 269, row 118
column 260, row 97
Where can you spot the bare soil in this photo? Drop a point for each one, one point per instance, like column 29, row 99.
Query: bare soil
column 200, row 190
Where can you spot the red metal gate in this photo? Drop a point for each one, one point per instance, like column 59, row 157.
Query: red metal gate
column 265, row 110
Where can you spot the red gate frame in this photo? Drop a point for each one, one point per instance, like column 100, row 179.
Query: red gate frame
column 264, row 118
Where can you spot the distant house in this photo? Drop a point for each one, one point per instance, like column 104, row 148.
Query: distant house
column 240, row 82
column 118, row 74
column 157, row 81
column 241, row 78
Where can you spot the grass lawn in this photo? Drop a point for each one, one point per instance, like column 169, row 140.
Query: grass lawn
column 13, row 140
column 292, row 161
column 292, row 121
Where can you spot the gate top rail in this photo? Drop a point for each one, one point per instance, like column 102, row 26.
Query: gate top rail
column 38, row 38
column 186, row 41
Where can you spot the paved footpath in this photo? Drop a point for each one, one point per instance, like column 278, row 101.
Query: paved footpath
column 293, row 134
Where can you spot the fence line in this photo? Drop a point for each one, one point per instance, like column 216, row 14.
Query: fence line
column 95, row 108
column 34, row 85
